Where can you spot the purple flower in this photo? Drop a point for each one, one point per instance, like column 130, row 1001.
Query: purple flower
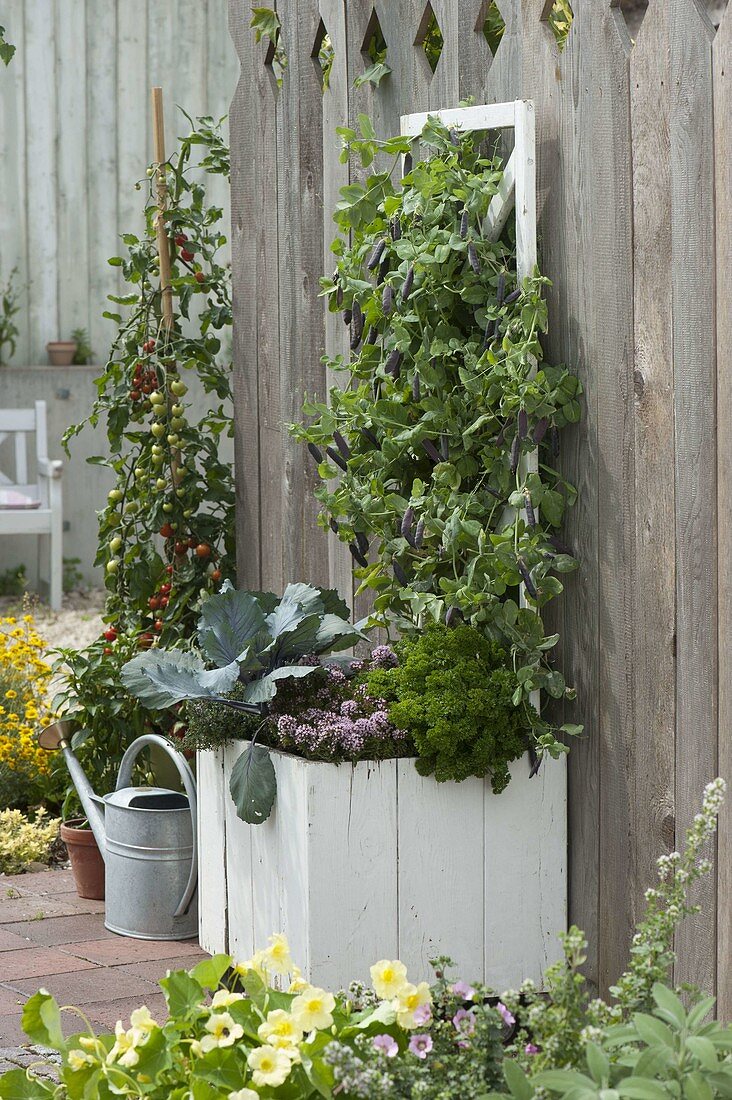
column 383, row 656
column 508, row 1018
column 464, row 1021
column 422, row 1014
column 387, row 1045
column 531, row 1049
column 420, row 1045
column 462, row 989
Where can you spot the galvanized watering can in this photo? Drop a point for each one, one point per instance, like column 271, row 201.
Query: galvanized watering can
column 147, row 837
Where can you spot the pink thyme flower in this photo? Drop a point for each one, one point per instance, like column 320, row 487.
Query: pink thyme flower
column 508, row 1018
column 462, row 989
column 420, row 1045
column 422, row 1014
column 387, row 1045
column 464, row 1021
column 531, row 1049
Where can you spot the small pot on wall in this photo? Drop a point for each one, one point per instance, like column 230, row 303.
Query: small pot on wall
column 87, row 865
column 61, row 352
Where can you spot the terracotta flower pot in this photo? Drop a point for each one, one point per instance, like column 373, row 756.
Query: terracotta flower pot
column 61, row 352
column 87, row 864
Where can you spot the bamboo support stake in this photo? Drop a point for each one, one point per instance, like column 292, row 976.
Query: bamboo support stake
column 162, row 194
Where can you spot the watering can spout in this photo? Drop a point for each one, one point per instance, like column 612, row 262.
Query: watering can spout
column 58, row 736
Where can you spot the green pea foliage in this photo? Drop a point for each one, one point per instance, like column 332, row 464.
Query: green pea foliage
column 454, row 694
column 423, row 450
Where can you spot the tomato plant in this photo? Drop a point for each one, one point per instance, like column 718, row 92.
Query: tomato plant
column 166, row 534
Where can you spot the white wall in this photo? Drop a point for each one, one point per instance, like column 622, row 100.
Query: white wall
column 75, row 135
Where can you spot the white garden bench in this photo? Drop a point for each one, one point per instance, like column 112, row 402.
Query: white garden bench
column 32, row 505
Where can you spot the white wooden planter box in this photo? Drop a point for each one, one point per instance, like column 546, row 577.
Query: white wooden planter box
column 369, row 861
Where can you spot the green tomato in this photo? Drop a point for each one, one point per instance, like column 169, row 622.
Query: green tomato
column 158, row 430
column 157, row 398
column 188, row 513
column 176, row 410
column 113, row 565
column 115, row 544
column 160, row 483
column 172, row 438
column 180, row 492
column 178, row 388
column 158, row 460
column 114, row 495
column 139, row 472
column 177, row 423
column 130, row 507
column 168, row 507
column 157, row 449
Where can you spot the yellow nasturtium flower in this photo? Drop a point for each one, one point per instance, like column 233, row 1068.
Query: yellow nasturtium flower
column 269, row 1066
column 313, row 1009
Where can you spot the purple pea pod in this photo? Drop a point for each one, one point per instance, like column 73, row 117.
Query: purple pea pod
column 392, row 364
column 416, row 388
column 339, row 296
column 526, row 577
column 356, row 325
column 408, row 162
column 342, row 445
column 454, row 139
column 488, row 334
column 501, row 289
column 408, row 282
column 493, row 492
column 451, row 615
column 372, row 335
column 347, row 316
column 464, row 224
column 419, row 535
column 387, row 299
column 370, row 437
column 375, row 258
column 534, row 762
column 515, row 453
column 315, row 452
column 540, row 430
column 406, row 527
column 383, row 271
column 559, row 546
column 357, row 555
column 530, row 516
column 335, row 457
column 522, row 424
column 399, row 573
column 396, row 229
column 513, row 296
column 501, row 437
column 473, row 258
column 333, row 526
column 362, row 542
column 431, row 450
column 554, row 440
column 444, row 448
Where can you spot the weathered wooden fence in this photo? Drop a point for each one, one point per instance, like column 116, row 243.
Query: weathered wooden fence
column 75, row 136
column 635, row 208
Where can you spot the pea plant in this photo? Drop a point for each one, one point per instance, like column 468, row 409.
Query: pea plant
column 166, row 533
column 421, row 453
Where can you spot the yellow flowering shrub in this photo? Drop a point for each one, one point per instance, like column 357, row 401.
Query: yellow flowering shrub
column 25, row 769
column 23, row 841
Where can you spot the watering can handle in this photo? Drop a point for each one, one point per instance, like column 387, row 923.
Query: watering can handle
column 125, row 778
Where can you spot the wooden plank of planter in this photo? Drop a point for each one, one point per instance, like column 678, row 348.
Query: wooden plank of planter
column 213, row 790
column 237, row 851
column 525, row 906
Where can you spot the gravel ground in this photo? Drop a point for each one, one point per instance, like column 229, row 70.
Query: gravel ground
column 77, row 624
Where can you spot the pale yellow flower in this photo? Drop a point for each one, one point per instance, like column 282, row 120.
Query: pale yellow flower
column 142, row 1021
column 280, row 1029
column 257, row 963
column 124, row 1049
column 388, row 978
column 313, row 1009
column 409, row 999
column 269, row 1066
column 222, row 1032
column 77, row 1059
column 277, row 956
column 298, row 983
column 222, row 998
column 244, row 1094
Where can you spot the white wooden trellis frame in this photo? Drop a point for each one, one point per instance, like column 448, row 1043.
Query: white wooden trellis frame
column 516, row 192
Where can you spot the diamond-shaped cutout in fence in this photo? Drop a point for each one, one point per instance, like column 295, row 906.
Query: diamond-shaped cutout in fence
column 491, row 24
column 322, row 54
column 373, row 50
column 559, row 15
column 715, row 11
column 429, row 37
column 633, row 13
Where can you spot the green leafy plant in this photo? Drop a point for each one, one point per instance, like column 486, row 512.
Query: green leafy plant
column 9, row 296
column 73, row 578
column 454, row 694
column 13, row 581
column 266, row 24
column 376, row 52
column 25, row 840
column 6, row 48
column 84, row 353
column 423, row 454
column 253, row 640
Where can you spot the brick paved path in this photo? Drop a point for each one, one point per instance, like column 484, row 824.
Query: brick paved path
column 53, row 939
